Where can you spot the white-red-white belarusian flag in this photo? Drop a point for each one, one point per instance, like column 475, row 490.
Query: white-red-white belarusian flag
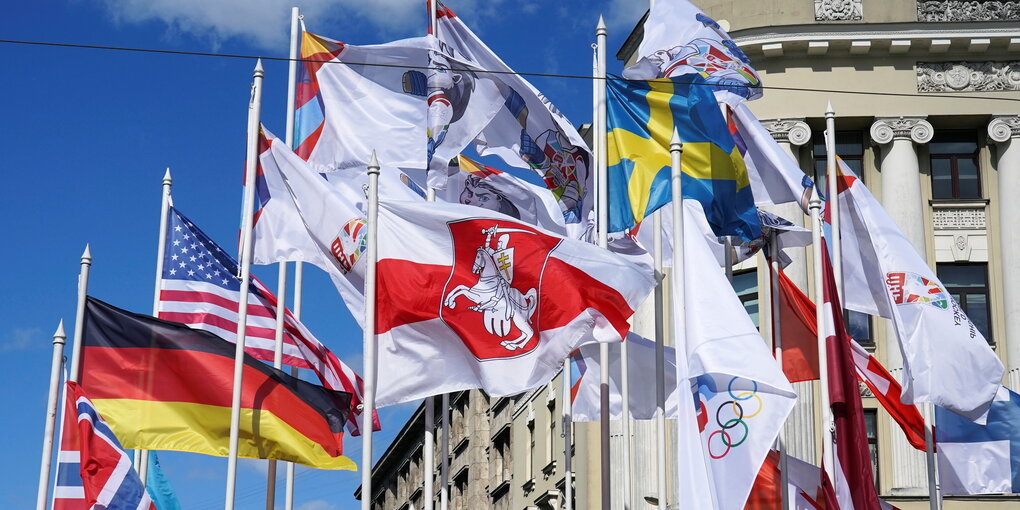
column 476, row 299
column 946, row 360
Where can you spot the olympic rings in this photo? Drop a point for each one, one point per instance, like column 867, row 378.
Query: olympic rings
column 760, row 405
column 737, row 407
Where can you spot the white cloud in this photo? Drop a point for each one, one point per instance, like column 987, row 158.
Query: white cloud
column 622, row 15
column 317, row 504
column 266, row 23
column 23, row 340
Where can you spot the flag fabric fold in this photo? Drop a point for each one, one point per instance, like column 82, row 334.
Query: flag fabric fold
column 109, row 480
column 775, row 177
column 946, row 360
column 165, row 386
column 158, row 486
column 980, row 459
column 641, row 118
column 733, row 397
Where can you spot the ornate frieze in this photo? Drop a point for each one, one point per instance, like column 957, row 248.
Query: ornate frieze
column 968, row 76
column 839, row 10
column 968, row 10
column 1002, row 129
column 795, row 131
column 885, row 130
column 959, row 218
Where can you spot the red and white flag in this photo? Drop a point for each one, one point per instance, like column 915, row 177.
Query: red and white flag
column 946, row 360
column 474, row 299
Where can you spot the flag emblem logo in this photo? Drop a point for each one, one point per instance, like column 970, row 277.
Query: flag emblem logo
column 497, row 274
column 350, row 244
column 907, row 288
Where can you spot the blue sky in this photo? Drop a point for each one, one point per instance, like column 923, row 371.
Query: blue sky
column 86, row 136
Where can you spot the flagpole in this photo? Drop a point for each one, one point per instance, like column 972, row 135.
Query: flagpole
column 251, row 164
column 59, row 339
column 603, row 239
column 79, row 313
column 430, row 402
column 830, row 157
column 299, row 272
column 677, row 291
column 444, row 451
column 934, row 483
column 660, row 364
column 728, row 258
column 823, row 369
column 777, row 339
column 568, row 461
column 372, row 253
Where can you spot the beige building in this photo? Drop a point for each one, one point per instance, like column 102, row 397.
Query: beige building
column 936, row 143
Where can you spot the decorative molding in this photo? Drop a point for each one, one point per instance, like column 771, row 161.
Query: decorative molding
column 885, row 130
column 968, row 76
column 864, row 390
column 959, row 218
column 968, row 10
column 839, row 10
column 1002, row 129
column 795, row 131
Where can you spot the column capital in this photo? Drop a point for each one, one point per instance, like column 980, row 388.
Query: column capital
column 794, row 131
column 887, row 129
column 1004, row 127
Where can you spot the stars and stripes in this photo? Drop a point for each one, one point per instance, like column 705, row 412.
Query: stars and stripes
column 200, row 288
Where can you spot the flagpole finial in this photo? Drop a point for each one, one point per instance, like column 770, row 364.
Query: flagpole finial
column 373, row 164
column 259, row 71
column 675, row 144
column 86, row 256
column 167, row 179
column 829, row 112
column 600, row 29
column 59, row 336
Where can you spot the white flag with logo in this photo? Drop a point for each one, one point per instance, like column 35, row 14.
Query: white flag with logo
column 736, row 397
column 775, row 177
column 946, row 360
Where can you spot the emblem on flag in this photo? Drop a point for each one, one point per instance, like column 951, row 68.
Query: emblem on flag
column 350, row 244
column 908, row 288
column 484, row 274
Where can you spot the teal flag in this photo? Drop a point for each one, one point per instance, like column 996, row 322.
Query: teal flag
column 158, row 486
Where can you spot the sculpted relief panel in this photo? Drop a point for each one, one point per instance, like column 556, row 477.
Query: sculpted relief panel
column 968, row 10
column 968, row 76
column 839, row 10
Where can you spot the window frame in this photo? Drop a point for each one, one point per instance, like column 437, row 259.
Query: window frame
column 963, row 292
column 956, row 136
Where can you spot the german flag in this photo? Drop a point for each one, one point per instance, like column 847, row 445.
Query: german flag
column 164, row 386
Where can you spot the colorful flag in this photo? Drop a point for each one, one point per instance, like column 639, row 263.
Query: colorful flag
column 852, row 480
column 158, row 486
column 528, row 131
column 200, row 289
column 585, row 396
column 775, row 177
column 497, row 304
column 733, row 395
column 681, row 40
column 981, row 459
column 642, row 116
column 946, row 360
column 471, row 183
column 804, row 486
column 165, row 386
column 68, row 492
column 108, row 479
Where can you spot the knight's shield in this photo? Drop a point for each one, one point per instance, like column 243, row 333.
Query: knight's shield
column 487, row 310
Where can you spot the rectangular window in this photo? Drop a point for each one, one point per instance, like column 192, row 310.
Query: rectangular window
column 871, row 426
column 745, row 284
column 968, row 284
column 849, row 147
column 859, row 326
column 954, row 165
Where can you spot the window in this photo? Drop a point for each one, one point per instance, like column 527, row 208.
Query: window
column 858, row 325
column 849, row 147
column 745, row 283
column 954, row 165
column 529, row 459
column 550, row 440
column 968, row 284
column 871, row 426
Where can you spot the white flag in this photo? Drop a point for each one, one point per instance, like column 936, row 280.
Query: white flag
column 946, row 360
column 585, row 401
column 737, row 397
column 775, row 177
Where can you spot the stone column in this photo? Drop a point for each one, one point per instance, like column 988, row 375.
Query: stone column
column 1005, row 131
column 791, row 135
column 902, row 198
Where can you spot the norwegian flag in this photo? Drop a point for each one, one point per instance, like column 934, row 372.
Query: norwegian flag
column 200, row 288
column 68, row 493
column 108, row 480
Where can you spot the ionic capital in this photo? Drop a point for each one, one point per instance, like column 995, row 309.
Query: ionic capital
column 887, row 129
column 795, row 131
column 1004, row 127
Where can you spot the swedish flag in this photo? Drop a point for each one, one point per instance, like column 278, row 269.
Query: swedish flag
column 641, row 117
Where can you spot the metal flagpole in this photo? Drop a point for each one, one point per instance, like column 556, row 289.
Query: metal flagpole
column 568, row 461
column 677, row 292
column 728, row 257
column 603, row 239
column 777, row 339
column 444, row 450
column 254, row 114
column 79, row 313
column 372, row 253
column 281, row 286
column 834, row 240
column 59, row 339
column 430, row 402
column 299, row 272
column 934, row 483
column 823, row 369
column 660, row 365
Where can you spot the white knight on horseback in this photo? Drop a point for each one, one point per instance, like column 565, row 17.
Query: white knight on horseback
column 502, row 305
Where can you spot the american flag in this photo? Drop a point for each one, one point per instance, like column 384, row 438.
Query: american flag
column 200, row 288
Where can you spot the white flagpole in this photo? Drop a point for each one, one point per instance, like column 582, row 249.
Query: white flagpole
column 677, row 292
column 934, row 485
column 660, row 364
column 429, row 453
column 603, row 240
column 444, row 450
column 59, row 339
column 79, row 313
column 251, row 162
column 298, row 281
column 568, row 461
column 372, row 253
column 834, row 240
column 777, row 339
column 823, row 369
